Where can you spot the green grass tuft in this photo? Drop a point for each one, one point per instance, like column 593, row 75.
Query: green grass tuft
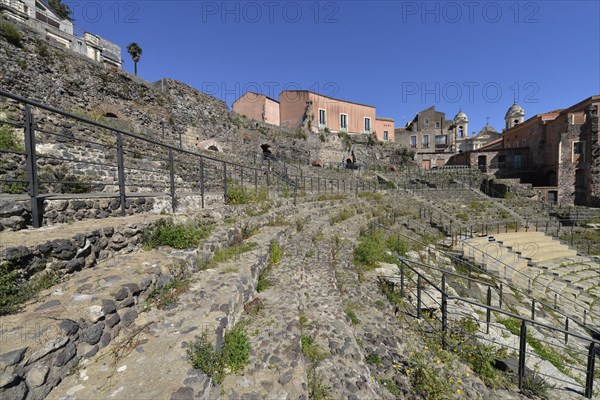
column 178, row 236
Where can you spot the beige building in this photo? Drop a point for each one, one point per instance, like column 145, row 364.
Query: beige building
column 38, row 15
column 384, row 128
column 258, row 107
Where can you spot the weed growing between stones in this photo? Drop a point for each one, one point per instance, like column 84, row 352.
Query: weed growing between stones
column 275, row 253
column 392, row 387
column 8, row 139
column 328, row 197
column 279, row 220
column 168, row 294
column 236, row 194
column 262, row 210
column 373, row 196
column 344, row 214
column 426, row 380
column 204, row 357
column 16, row 187
column 374, row 359
column 352, row 315
column 12, row 34
column 393, row 296
column 178, row 236
column 227, row 253
column 375, row 247
column 299, row 224
column 314, row 355
column 545, row 352
column 233, row 356
column 263, row 280
column 534, row 386
column 14, row 292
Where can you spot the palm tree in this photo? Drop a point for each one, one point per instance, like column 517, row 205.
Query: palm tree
column 135, row 51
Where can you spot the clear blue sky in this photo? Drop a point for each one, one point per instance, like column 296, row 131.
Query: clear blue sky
column 400, row 56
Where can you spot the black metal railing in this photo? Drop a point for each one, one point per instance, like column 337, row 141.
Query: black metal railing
column 427, row 294
column 555, row 302
column 69, row 156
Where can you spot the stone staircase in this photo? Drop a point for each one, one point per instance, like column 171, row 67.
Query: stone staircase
column 541, row 265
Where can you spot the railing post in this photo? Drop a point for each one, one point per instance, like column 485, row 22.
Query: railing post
column 318, row 186
column 311, row 185
column 31, row 161
column 295, row 192
column 225, row 182
column 444, row 312
column 533, row 309
column 488, row 313
column 202, row 180
column 172, row 179
column 500, row 296
column 242, row 178
column 418, row 296
column 522, row 350
column 402, row 280
column 589, row 379
column 566, row 330
column 555, row 300
column 256, row 181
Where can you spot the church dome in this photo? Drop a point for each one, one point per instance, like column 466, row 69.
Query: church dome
column 515, row 109
column 461, row 116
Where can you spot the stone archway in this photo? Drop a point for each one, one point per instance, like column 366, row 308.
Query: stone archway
column 210, row 145
column 266, row 151
column 109, row 111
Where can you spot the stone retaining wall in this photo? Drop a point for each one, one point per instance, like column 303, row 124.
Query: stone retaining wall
column 32, row 373
column 16, row 215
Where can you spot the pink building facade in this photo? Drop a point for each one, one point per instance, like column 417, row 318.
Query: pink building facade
column 315, row 112
column 258, row 107
column 384, row 128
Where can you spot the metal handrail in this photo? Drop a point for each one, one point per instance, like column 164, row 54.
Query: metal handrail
column 560, row 312
column 588, row 387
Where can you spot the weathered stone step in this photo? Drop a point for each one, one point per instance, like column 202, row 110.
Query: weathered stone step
column 156, row 346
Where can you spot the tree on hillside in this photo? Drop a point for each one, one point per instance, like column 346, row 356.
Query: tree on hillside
column 61, row 9
column 135, row 51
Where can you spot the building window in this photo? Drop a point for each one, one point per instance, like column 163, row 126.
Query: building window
column 322, row 118
column 413, row 142
column 437, row 125
column 578, row 151
column 367, row 125
column 461, row 131
column 441, row 141
column 425, row 141
column 426, row 122
column 502, row 161
column 385, row 136
column 343, row 122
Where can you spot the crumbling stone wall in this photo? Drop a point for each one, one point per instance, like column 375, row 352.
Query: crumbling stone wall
column 592, row 120
column 70, row 82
